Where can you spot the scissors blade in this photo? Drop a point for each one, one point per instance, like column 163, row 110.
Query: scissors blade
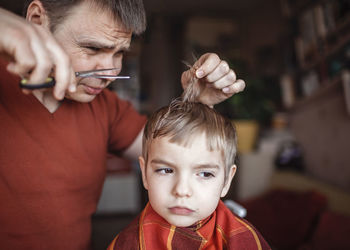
column 108, row 77
column 92, row 72
column 50, row 81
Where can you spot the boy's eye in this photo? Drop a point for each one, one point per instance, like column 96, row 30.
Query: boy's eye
column 206, row 175
column 164, row 170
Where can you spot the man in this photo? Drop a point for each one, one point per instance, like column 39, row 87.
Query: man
column 55, row 141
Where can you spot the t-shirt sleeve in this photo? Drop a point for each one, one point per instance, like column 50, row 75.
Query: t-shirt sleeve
column 125, row 123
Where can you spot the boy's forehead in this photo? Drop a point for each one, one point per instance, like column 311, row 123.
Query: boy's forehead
column 196, row 146
column 199, row 140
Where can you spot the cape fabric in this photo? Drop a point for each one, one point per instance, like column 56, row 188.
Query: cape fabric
column 222, row 230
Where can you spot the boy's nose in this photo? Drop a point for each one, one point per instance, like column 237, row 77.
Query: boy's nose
column 182, row 188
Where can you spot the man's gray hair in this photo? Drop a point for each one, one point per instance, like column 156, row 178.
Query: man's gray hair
column 130, row 12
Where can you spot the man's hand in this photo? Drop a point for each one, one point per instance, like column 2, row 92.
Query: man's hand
column 34, row 53
column 218, row 82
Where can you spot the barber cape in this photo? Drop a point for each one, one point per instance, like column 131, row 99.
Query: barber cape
column 221, row 230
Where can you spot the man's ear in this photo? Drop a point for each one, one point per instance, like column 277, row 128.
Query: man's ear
column 37, row 14
column 229, row 178
column 143, row 171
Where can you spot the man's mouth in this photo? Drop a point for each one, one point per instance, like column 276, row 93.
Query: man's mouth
column 92, row 90
column 181, row 210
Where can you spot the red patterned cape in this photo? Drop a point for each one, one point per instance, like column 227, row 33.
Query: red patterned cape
column 222, row 230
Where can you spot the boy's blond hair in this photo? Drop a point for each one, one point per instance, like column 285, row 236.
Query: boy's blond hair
column 184, row 119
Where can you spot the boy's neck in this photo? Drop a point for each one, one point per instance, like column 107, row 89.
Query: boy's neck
column 199, row 224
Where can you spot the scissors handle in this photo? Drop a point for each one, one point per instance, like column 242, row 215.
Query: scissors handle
column 49, row 83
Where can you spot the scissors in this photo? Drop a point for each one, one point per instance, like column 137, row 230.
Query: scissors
column 50, row 81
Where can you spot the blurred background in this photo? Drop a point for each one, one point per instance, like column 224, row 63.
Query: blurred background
column 293, row 119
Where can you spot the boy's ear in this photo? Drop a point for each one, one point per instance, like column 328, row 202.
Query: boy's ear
column 37, row 14
column 230, row 176
column 143, row 171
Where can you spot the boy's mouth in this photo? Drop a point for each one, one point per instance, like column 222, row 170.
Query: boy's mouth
column 181, row 210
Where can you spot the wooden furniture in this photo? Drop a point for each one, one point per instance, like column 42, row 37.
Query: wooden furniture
column 320, row 40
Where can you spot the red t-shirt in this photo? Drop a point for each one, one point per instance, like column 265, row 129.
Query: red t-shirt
column 52, row 166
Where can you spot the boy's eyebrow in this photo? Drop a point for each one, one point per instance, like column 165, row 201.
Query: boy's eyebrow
column 160, row 161
column 203, row 166
column 199, row 166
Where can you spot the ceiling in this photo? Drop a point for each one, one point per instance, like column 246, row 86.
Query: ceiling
column 176, row 6
column 181, row 6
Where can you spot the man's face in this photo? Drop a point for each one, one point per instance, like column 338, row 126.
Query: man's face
column 93, row 40
column 184, row 183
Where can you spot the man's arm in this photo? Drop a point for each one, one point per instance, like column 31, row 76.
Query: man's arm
column 218, row 82
column 135, row 150
column 33, row 52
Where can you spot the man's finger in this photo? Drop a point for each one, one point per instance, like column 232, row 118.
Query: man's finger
column 65, row 78
column 234, row 88
column 226, row 80
column 22, row 56
column 206, row 64
column 221, row 71
column 64, row 75
column 44, row 64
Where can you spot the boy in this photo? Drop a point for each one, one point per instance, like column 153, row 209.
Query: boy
column 187, row 164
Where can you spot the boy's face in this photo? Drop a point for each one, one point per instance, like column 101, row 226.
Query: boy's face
column 184, row 183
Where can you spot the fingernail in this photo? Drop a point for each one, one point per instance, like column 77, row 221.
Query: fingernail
column 72, row 88
column 199, row 73
column 226, row 90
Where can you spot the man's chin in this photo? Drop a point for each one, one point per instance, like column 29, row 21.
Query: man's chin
column 78, row 97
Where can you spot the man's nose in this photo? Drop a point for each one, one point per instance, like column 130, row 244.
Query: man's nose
column 182, row 187
column 109, row 62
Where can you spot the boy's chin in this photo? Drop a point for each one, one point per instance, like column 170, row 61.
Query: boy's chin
column 182, row 222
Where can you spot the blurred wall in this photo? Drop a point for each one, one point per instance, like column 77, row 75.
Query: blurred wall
column 246, row 28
